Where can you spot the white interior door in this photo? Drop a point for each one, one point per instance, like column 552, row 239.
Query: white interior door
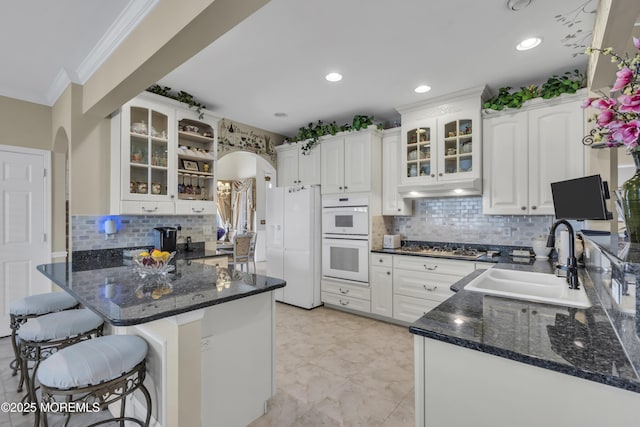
column 25, row 219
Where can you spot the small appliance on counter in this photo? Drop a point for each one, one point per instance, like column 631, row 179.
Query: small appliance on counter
column 391, row 241
column 165, row 238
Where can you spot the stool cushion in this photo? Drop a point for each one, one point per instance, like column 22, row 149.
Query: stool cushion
column 92, row 362
column 42, row 304
column 60, row 325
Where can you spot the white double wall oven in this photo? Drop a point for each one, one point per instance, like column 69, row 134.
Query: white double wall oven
column 345, row 237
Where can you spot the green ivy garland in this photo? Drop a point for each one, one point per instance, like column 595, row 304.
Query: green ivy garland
column 312, row 133
column 181, row 96
column 569, row 82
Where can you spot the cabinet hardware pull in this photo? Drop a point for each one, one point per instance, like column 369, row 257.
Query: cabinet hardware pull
column 197, row 210
column 534, row 207
column 344, row 302
column 440, row 174
column 149, row 210
column 339, row 188
column 197, row 296
column 534, row 312
column 524, row 208
column 381, row 260
column 399, row 209
column 388, row 273
column 426, row 288
column 524, row 310
column 432, row 176
column 344, row 291
column 430, row 268
column 345, row 187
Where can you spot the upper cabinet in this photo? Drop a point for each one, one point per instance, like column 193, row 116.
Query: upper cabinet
column 295, row 167
column 525, row 151
column 197, row 154
column 392, row 201
column 350, row 162
column 162, row 159
column 441, row 147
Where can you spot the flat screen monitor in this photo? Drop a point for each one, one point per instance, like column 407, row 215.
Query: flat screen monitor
column 581, row 198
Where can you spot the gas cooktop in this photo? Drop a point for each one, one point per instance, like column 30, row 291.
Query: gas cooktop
column 441, row 251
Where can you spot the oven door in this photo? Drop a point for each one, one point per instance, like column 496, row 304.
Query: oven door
column 345, row 220
column 345, row 259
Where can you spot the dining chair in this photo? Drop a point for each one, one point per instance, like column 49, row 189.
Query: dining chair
column 244, row 251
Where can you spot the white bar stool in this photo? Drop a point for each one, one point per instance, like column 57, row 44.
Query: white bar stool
column 22, row 309
column 103, row 370
column 42, row 336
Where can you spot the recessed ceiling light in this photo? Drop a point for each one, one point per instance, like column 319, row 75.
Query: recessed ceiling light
column 280, row 114
column 458, row 190
column 529, row 43
column 422, row 89
column 333, row 77
column 516, row 5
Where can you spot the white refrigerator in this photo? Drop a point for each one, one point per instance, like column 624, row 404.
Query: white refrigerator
column 293, row 243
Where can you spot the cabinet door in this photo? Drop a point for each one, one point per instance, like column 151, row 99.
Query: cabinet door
column 505, row 170
column 309, row 166
column 458, row 146
column 381, row 291
column 357, row 162
column 392, row 202
column 148, row 147
column 288, row 167
column 332, row 165
column 419, row 153
column 555, row 151
column 409, row 309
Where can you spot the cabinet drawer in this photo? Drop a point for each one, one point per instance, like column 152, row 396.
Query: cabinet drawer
column 146, row 208
column 381, row 260
column 433, row 265
column 347, row 302
column 195, row 208
column 410, row 309
column 354, row 291
column 423, row 285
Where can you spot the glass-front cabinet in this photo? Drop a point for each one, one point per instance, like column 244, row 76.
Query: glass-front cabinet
column 163, row 159
column 457, row 148
column 148, row 158
column 419, row 152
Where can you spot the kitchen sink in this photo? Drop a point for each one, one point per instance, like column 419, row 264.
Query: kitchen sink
column 530, row 286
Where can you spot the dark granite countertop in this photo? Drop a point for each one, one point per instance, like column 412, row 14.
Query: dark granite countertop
column 122, row 298
column 577, row 342
column 503, row 257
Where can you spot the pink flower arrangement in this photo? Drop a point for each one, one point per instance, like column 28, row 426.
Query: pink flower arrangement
column 618, row 121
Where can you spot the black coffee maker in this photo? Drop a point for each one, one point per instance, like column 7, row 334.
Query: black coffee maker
column 165, row 238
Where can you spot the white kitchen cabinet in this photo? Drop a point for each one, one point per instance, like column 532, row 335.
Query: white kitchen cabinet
column 163, row 159
column 295, row 167
column 441, row 146
column 422, row 283
column 392, row 202
column 346, row 294
column 349, row 162
column 142, row 163
column 525, row 151
column 381, row 282
column 197, row 161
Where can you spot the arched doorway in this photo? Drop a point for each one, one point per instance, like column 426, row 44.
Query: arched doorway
column 242, row 165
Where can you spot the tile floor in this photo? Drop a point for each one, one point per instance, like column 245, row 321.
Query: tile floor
column 332, row 369
column 338, row 369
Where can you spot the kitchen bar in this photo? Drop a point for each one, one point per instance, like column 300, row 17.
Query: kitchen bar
column 210, row 333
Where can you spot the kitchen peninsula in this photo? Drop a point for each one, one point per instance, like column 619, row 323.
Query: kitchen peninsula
column 210, row 332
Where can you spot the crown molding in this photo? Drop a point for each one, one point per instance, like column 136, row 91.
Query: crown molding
column 128, row 19
column 59, row 84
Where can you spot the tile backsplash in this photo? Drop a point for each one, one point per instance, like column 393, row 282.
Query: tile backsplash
column 134, row 230
column 460, row 220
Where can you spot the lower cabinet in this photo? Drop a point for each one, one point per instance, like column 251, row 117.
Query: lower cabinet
column 421, row 283
column 346, row 295
column 381, row 281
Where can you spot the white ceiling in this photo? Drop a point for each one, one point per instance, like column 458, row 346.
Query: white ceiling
column 275, row 61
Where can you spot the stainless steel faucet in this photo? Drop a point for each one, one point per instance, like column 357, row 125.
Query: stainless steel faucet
column 572, row 263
